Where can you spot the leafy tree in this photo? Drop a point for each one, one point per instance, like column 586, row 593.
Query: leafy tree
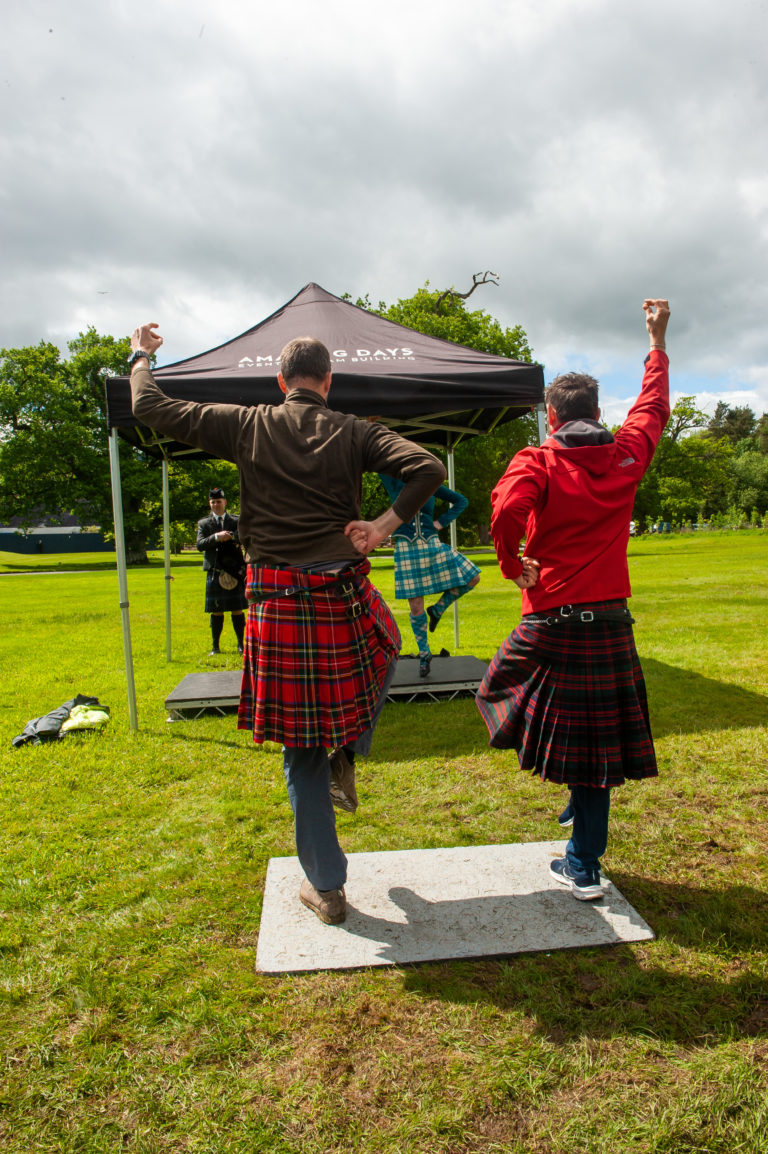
column 54, row 457
column 188, row 485
column 43, row 440
column 374, row 498
column 732, row 423
column 93, row 357
column 689, row 475
column 429, row 312
column 761, row 434
column 54, row 453
column 481, row 460
column 684, row 418
column 749, row 481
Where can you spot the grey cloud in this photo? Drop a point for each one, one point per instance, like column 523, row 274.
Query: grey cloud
column 209, row 161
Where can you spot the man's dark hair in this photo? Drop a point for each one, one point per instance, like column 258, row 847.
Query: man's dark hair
column 573, row 396
column 305, row 357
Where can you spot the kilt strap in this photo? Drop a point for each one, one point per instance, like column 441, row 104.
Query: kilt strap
column 576, row 616
column 342, row 584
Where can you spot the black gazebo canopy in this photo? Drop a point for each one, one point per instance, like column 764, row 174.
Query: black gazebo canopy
column 428, row 389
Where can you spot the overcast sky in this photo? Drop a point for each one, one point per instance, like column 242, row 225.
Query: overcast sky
column 196, row 162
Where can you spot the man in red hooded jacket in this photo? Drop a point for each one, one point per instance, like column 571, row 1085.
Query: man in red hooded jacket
column 566, row 689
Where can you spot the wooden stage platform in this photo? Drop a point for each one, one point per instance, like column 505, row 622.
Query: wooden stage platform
column 219, row 692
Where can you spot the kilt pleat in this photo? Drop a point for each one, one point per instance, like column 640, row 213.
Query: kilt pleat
column 423, row 567
column 571, row 699
column 312, row 675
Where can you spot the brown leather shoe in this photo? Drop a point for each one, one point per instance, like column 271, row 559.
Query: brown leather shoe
column 343, row 792
column 329, row 905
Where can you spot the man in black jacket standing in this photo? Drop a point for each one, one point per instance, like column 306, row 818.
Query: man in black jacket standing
column 224, row 565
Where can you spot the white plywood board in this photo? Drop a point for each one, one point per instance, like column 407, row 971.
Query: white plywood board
column 438, row 904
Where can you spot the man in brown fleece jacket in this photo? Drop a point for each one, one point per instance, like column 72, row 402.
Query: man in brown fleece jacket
column 320, row 641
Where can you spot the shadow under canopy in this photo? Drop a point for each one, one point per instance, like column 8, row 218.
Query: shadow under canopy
column 427, row 389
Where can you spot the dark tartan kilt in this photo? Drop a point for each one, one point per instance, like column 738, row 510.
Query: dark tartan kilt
column 218, row 600
column 312, row 674
column 570, row 698
column 425, row 567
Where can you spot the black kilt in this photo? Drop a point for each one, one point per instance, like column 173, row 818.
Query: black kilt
column 571, row 699
column 218, row 600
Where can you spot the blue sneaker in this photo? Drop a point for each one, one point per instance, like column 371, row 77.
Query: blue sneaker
column 585, row 885
column 566, row 817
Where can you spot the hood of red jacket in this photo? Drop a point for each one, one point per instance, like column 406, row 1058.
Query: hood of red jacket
column 586, row 444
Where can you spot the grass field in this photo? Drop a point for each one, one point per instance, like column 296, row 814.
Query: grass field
column 132, row 869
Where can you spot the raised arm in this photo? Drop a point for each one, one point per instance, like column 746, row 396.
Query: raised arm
column 146, row 338
column 656, row 321
column 205, row 426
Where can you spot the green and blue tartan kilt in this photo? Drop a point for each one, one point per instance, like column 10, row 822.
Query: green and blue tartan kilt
column 218, row 600
column 313, row 671
column 571, row 699
column 425, row 567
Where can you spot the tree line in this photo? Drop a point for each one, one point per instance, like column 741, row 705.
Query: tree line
column 54, row 458
column 54, row 452
column 707, row 470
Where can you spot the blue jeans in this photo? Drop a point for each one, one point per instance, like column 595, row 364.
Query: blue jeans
column 308, row 775
column 589, row 835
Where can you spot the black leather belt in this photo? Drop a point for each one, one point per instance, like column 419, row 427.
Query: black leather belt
column 576, row 616
column 342, row 584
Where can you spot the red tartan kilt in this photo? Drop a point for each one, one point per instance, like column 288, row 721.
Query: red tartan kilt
column 313, row 674
column 571, row 699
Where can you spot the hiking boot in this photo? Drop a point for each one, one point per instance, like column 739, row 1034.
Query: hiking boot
column 343, row 792
column 329, row 905
column 566, row 817
column 425, row 661
column 585, row 884
column 434, row 618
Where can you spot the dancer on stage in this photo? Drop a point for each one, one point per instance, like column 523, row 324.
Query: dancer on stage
column 425, row 565
column 320, row 642
column 224, row 565
column 566, row 689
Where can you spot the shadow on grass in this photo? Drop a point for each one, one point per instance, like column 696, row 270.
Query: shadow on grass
column 680, row 702
column 607, row 992
column 684, row 702
column 12, row 569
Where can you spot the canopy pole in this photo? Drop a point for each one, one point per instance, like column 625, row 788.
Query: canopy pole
column 541, row 420
column 167, row 558
column 452, row 533
column 122, row 577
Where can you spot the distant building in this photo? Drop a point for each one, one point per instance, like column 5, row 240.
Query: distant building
column 44, row 538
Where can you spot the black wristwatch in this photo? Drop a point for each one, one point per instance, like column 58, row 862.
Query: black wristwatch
column 134, row 357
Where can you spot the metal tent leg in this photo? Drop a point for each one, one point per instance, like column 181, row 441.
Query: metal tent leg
column 452, row 534
column 167, row 559
column 541, row 421
column 122, row 577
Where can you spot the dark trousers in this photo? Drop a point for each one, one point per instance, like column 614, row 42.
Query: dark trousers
column 308, row 775
column 589, row 835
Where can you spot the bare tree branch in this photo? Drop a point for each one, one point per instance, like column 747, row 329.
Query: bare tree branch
column 478, row 279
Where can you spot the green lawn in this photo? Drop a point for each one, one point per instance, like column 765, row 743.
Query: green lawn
column 133, row 865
